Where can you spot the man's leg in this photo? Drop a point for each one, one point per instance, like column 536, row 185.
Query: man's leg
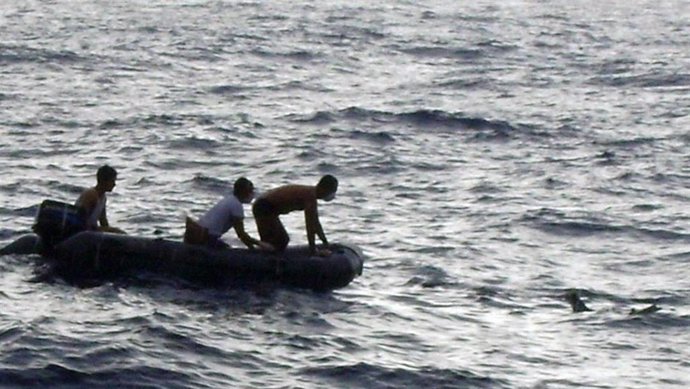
column 271, row 230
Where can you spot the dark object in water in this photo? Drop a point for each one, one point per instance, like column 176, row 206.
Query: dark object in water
column 576, row 303
column 27, row 244
column 650, row 309
column 79, row 254
column 101, row 255
column 573, row 297
column 57, row 221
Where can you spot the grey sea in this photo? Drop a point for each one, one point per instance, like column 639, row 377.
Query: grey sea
column 492, row 155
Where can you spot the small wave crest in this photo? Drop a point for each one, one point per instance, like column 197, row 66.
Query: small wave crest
column 366, row 375
column 590, row 224
column 457, row 53
column 11, row 54
column 430, row 277
column 648, row 80
column 657, row 320
column 194, row 143
column 425, row 119
column 225, row 90
column 299, row 55
column 57, row 374
column 211, row 184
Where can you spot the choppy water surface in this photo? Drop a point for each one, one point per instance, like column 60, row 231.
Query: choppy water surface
column 491, row 156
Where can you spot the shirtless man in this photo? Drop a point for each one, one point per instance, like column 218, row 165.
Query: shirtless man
column 285, row 199
column 227, row 213
column 93, row 201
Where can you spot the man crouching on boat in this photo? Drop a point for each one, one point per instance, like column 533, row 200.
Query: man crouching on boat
column 93, row 201
column 285, row 199
column 227, row 213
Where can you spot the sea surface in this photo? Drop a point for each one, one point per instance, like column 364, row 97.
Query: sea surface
column 492, row 155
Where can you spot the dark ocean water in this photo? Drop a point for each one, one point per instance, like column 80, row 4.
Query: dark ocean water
column 491, row 156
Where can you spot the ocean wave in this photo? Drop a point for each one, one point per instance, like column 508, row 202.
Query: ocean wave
column 165, row 120
column 318, row 118
column 173, row 339
column 225, row 90
column 113, row 124
column 20, row 127
column 380, row 137
column 430, row 277
column 36, row 355
column 451, row 126
column 11, row 54
column 464, row 83
column 44, row 152
column 365, row 375
column 135, row 123
column 346, row 35
column 658, row 320
column 487, row 188
column 433, row 118
column 628, row 144
column 496, row 297
column 427, row 119
column 211, row 184
column 194, row 143
column 25, row 211
column 616, row 66
column 648, row 80
column 300, row 55
column 590, row 224
column 56, row 374
column 431, row 52
column 647, row 207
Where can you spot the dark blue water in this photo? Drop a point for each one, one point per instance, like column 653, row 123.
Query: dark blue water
column 491, row 156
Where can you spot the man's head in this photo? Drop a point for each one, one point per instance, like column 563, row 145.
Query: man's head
column 326, row 188
column 105, row 177
column 243, row 190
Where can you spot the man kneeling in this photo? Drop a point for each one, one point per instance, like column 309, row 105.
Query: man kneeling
column 285, row 199
column 227, row 213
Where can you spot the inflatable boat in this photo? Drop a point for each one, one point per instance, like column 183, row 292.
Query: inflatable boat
column 89, row 254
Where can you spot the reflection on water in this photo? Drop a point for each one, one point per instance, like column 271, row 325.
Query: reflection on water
column 491, row 157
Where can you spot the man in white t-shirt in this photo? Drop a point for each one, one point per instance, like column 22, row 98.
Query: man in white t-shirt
column 227, row 213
